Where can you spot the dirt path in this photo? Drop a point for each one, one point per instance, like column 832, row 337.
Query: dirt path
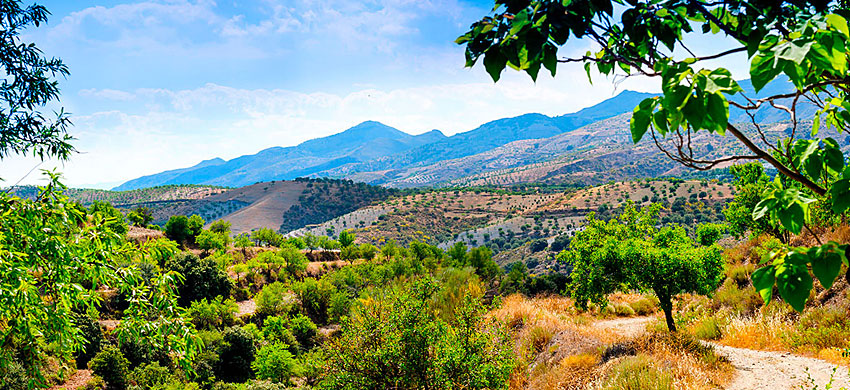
column 757, row 370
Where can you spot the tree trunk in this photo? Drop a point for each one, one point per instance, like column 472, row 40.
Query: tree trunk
column 666, row 304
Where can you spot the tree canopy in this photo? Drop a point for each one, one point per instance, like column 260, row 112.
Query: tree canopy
column 804, row 41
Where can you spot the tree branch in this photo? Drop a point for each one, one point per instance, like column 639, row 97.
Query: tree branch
column 772, row 161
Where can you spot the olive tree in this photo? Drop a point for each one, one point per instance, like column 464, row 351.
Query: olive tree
column 803, row 41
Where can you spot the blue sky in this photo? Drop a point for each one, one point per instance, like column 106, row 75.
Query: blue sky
column 164, row 84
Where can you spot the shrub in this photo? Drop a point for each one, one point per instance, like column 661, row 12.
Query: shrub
column 709, row 233
column 740, row 274
column 112, row 366
column 90, row 330
column 114, row 219
column 274, row 299
column 209, row 241
column 305, row 331
column 638, row 373
column 739, row 300
column 236, row 355
column 202, row 278
column 820, row 328
column 368, row 251
column 213, row 314
column 643, row 306
column 14, row 376
column 276, row 330
column 150, row 376
column 275, row 363
column 623, row 310
column 315, row 297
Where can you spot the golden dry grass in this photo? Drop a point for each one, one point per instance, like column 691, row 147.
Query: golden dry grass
column 559, row 348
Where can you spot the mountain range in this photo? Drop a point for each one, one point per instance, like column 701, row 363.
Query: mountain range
column 375, row 153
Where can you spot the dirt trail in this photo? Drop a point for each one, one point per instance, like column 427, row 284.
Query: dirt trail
column 757, row 370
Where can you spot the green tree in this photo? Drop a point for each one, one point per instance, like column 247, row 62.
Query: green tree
column 389, row 249
column 274, row 362
column 177, row 229
column 458, row 254
column 267, row 237
column 112, row 218
column 804, row 41
column 346, row 238
column 397, row 342
column 630, row 251
column 221, row 227
column 210, row 241
column 750, row 181
column 140, row 216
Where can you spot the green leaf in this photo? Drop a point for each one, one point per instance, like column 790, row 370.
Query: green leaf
column 794, row 284
column 717, row 108
column 763, row 207
column 494, row 62
column 720, row 80
column 840, row 193
column 792, row 217
column 839, row 23
column 641, row 117
column 763, row 70
column 763, row 279
column 794, row 51
column 826, row 266
column 520, row 20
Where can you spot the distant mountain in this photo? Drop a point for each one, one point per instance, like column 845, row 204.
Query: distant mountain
column 364, row 142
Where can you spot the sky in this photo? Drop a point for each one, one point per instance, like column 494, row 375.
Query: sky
column 164, row 84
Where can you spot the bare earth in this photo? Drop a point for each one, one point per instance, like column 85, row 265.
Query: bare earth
column 757, row 370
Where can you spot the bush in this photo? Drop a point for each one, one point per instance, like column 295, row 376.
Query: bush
column 623, row 310
column 739, row 300
column 236, row 355
column 276, row 330
column 150, row 376
column 275, row 363
column 114, row 220
column 315, row 297
column 638, row 373
column 209, row 241
column 203, row 278
column 644, row 306
column 14, row 376
column 274, row 299
column 214, row 314
column 90, row 330
column 305, row 331
column 112, row 366
column 821, row 328
column 740, row 274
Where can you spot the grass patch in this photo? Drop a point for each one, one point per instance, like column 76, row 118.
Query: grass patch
column 638, row 373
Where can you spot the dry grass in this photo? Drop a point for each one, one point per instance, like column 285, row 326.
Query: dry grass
column 558, row 348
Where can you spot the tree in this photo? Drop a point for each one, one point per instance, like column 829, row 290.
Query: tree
column 804, row 41
column 221, row 227
column 346, row 238
column 177, row 229
column 458, row 254
column 209, row 241
column 274, row 362
column 631, row 251
column 750, row 181
column 28, row 87
column 389, row 249
column 112, row 218
column 267, row 237
column 140, row 216
column 395, row 341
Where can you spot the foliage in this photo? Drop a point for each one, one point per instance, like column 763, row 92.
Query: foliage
column 113, row 219
column 346, row 238
column 266, row 237
column 394, row 341
column 203, row 278
column 305, row 331
column 274, row 299
column 76, row 255
column 804, row 42
column 112, row 366
column 140, row 216
column 631, row 251
column 275, row 363
column 29, row 86
column 276, row 330
column 367, row 251
column 150, row 376
column 216, row 313
column 209, row 241
column 750, row 181
column 709, row 233
column 221, row 227
column 93, row 336
column 638, row 373
column 236, row 355
column 183, row 229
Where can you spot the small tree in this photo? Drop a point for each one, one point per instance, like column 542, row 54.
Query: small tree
column 346, row 238
column 140, row 216
column 210, row 241
column 113, row 219
column 221, row 227
column 630, row 251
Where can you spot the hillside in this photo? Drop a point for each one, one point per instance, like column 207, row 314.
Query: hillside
column 366, row 141
column 506, row 220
